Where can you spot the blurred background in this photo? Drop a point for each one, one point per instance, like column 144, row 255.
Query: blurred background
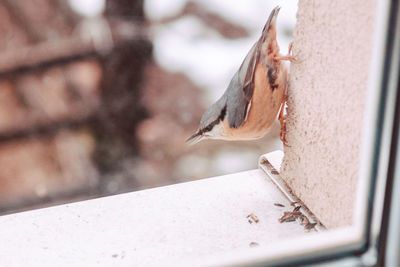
column 97, row 97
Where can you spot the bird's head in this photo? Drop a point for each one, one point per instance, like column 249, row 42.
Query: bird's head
column 211, row 124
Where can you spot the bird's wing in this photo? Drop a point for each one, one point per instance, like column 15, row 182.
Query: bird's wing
column 241, row 89
column 247, row 69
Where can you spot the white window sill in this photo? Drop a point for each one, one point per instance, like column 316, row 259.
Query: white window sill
column 152, row 227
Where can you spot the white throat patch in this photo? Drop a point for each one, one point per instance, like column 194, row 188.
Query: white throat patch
column 247, row 111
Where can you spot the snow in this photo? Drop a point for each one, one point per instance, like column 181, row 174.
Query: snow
column 158, row 9
column 88, row 8
column 188, row 46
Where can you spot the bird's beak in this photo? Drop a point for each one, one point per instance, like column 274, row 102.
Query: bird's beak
column 195, row 138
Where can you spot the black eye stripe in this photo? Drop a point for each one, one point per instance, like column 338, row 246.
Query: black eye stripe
column 221, row 117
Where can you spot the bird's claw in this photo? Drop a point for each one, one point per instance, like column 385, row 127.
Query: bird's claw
column 282, row 134
column 289, row 58
column 282, row 121
column 289, row 55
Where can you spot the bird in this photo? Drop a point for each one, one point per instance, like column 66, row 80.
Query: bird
column 254, row 96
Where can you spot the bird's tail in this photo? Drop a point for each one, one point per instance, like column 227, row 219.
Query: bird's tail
column 271, row 20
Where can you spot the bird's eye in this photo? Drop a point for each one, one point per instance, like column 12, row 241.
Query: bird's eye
column 208, row 128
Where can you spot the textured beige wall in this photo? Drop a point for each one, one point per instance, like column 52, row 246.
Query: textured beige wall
column 327, row 93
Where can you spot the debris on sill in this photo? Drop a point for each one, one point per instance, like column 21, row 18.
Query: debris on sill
column 253, row 244
column 297, row 215
column 252, row 218
column 300, row 212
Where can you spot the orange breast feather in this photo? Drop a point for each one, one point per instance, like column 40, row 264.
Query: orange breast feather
column 265, row 105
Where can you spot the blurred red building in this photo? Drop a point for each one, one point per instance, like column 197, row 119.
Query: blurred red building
column 69, row 98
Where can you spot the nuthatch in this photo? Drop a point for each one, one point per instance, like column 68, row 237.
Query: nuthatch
column 254, row 96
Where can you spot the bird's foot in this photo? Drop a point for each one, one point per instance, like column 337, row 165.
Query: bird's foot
column 289, row 58
column 289, row 55
column 290, row 48
column 282, row 121
column 283, row 131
